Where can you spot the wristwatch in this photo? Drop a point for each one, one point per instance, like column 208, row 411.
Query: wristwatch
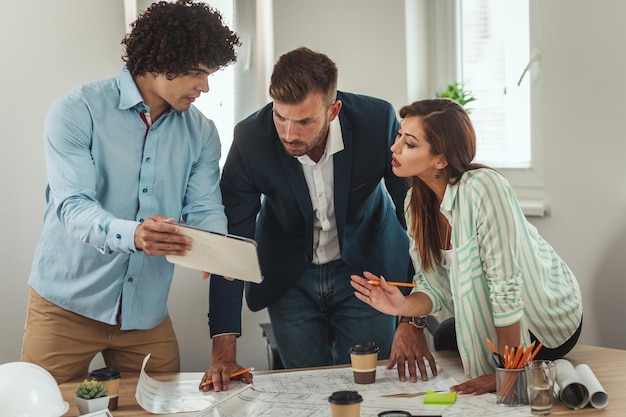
column 419, row 322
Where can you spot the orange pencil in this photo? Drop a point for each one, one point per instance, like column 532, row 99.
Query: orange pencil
column 518, row 355
column 238, row 373
column 532, row 356
column 525, row 356
column 395, row 284
column 512, row 353
column 491, row 346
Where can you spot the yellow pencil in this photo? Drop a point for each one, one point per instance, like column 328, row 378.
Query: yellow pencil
column 395, row 284
column 238, row 373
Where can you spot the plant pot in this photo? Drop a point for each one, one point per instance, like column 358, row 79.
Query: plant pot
column 94, row 404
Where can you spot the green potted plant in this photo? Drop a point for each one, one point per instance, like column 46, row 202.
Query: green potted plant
column 457, row 92
column 91, row 396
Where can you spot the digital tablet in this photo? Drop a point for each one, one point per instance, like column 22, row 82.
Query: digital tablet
column 223, row 254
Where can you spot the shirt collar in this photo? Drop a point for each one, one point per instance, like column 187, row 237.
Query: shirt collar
column 130, row 97
column 129, row 93
column 334, row 143
column 335, row 138
column 449, row 196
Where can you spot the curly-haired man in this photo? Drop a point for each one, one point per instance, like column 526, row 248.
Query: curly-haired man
column 127, row 156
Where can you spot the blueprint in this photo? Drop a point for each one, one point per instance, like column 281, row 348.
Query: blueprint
column 305, row 394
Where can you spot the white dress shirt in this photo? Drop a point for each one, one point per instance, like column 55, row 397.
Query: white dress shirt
column 319, row 178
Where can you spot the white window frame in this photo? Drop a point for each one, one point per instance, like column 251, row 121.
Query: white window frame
column 444, row 56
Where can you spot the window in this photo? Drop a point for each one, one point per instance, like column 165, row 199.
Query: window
column 488, row 46
column 219, row 103
column 494, row 50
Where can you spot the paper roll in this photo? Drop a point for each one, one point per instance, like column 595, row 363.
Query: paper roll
column 572, row 392
column 598, row 398
column 577, row 387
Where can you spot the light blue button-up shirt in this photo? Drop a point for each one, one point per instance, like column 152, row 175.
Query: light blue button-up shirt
column 103, row 180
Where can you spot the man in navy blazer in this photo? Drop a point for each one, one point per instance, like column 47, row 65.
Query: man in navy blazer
column 304, row 178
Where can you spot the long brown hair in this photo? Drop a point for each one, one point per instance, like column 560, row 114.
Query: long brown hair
column 449, row 131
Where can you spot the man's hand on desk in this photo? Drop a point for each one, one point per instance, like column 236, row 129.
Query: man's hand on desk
column 481, row 385
column 409, row 347
column 223, row 365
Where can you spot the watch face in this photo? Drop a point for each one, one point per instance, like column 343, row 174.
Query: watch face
column 420, row 321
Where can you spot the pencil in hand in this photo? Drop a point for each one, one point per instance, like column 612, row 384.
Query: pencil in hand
column 233, row 375
column 395, row 284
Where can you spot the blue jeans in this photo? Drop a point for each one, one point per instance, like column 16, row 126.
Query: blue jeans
column 317, row 320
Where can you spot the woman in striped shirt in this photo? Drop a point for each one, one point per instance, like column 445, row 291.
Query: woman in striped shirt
column 475, row 254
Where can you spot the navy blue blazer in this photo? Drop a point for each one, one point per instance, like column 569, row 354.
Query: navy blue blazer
column 266, row 198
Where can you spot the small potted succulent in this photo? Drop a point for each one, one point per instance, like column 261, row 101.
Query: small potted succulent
column 91, row 396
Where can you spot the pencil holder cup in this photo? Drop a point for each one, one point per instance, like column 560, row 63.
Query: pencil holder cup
column 511, row 387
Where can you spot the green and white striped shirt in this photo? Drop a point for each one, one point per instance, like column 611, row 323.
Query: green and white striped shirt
column 501, row 272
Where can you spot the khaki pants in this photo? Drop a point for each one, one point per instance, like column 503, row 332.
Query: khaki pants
column 64, row 343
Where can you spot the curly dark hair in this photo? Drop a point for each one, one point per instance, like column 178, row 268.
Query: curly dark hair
column 172, row 38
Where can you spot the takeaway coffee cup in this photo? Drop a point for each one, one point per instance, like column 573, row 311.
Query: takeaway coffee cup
column 345, row 404
column 110, row 378
column 363, row 358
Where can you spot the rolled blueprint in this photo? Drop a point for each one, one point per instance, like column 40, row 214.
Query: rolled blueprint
column 598, row 398
column 571, row 391
column 577, row 387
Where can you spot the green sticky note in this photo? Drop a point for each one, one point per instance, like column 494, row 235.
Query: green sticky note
column 432, row 397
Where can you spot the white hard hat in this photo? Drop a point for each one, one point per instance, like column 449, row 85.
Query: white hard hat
column 28, row 390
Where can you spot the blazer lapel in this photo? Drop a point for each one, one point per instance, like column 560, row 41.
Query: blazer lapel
column 342, row 166
column 292, row 170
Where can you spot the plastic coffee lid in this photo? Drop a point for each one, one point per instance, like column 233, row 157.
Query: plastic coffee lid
column 104, row 374
column 345, row 397
column 364, row 349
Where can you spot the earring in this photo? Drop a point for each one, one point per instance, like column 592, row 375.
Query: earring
column 437, row 176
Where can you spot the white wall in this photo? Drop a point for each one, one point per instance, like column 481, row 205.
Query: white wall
column 365, row 38
column 48, row 47
column 584, row 64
